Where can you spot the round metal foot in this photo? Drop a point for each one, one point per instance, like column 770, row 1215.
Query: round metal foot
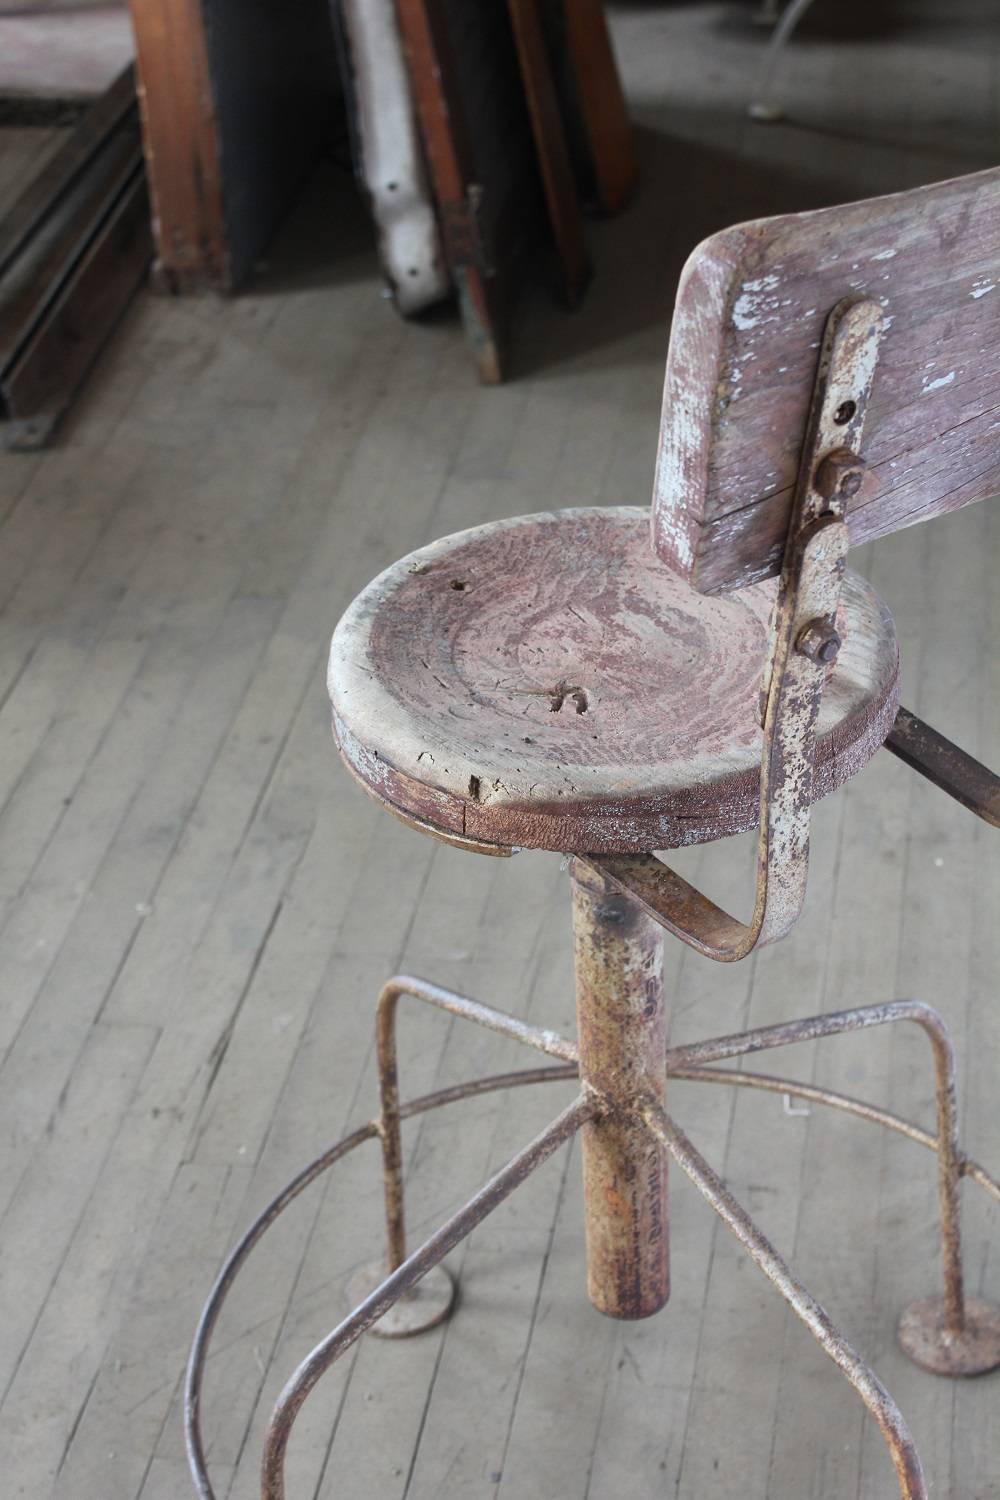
column 924, row 1337
column 427, row 1305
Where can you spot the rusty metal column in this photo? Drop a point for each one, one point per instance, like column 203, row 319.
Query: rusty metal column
column 622, row 1024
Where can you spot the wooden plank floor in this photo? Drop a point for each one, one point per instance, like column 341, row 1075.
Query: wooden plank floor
column 198, row 907
column 62, row 50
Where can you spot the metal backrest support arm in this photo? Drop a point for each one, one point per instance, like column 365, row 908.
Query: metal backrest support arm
column 803, row 647
column 963, row 777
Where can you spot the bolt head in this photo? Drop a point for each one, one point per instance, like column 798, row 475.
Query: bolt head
column 840, row 475
column 820, row 641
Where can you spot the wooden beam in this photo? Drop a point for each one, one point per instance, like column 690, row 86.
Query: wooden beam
column 602, row 104
column 562, row 201
column 235, row 103
column 181, row 138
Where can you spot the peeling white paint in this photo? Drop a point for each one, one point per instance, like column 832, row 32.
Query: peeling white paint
column 935, row 385
column 744, row 313
column 753, row 306
column 884, row 255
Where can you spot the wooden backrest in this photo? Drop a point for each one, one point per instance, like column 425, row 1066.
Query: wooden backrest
column 749, row 316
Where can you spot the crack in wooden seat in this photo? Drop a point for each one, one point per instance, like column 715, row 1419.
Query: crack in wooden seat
column 547, row 683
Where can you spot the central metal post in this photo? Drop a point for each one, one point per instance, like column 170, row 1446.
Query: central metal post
column 622, row 1024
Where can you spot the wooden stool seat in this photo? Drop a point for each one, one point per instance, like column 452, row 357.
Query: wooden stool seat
column 545, row 682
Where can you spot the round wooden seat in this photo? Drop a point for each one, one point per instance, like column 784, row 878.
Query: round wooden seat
column 547, row 683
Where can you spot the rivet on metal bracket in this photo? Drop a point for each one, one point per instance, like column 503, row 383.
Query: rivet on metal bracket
column 840, row 475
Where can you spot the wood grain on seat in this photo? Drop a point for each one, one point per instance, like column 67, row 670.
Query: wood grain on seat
column 750, row 312
column 545, row 682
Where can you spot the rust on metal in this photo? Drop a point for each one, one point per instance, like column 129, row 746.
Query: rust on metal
column 812, row 1093
column 840, row 475
column 924, row 1332
column 416, row 1266
column 462, row 230
column 621, row 1056
column 820, row 641
column 794, row 679
column 198, row 1358
column 389, row 1119
column 873, row 1393
column 927, row 1337
column 924, row 750
column 622, row 1027
column 430, row 1302
column 837, row 1023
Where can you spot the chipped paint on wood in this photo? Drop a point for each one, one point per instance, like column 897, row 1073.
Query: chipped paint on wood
column 753, row 299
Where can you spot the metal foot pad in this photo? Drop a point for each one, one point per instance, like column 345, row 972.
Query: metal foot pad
column 424, row 1306
column 925, row 1338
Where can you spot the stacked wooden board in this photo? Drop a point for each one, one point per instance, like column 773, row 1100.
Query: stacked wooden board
column 523, row 126
column 73, row 248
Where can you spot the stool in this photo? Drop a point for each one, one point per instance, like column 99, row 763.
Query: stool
column 555, row 682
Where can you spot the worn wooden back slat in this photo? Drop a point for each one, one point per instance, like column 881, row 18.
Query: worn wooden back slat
column 749, row 317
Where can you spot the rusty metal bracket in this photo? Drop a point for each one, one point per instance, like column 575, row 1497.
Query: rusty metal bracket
column 803, row 645
column 462, row 231
column 966, row 779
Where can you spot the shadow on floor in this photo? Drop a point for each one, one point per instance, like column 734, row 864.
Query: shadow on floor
column 700, row 171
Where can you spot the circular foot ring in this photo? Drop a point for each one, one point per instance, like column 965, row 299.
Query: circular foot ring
column 926, row 1339
column 425, row 1306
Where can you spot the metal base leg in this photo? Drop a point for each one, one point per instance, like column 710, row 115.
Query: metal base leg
column 393, row 1287
column 432, row 1300
column 927, row 1337
column 623, row 1067
column 622, row 1025
column 424, row 1306
column 945, row 1334
column 871, row 1390
column 390, row 1289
